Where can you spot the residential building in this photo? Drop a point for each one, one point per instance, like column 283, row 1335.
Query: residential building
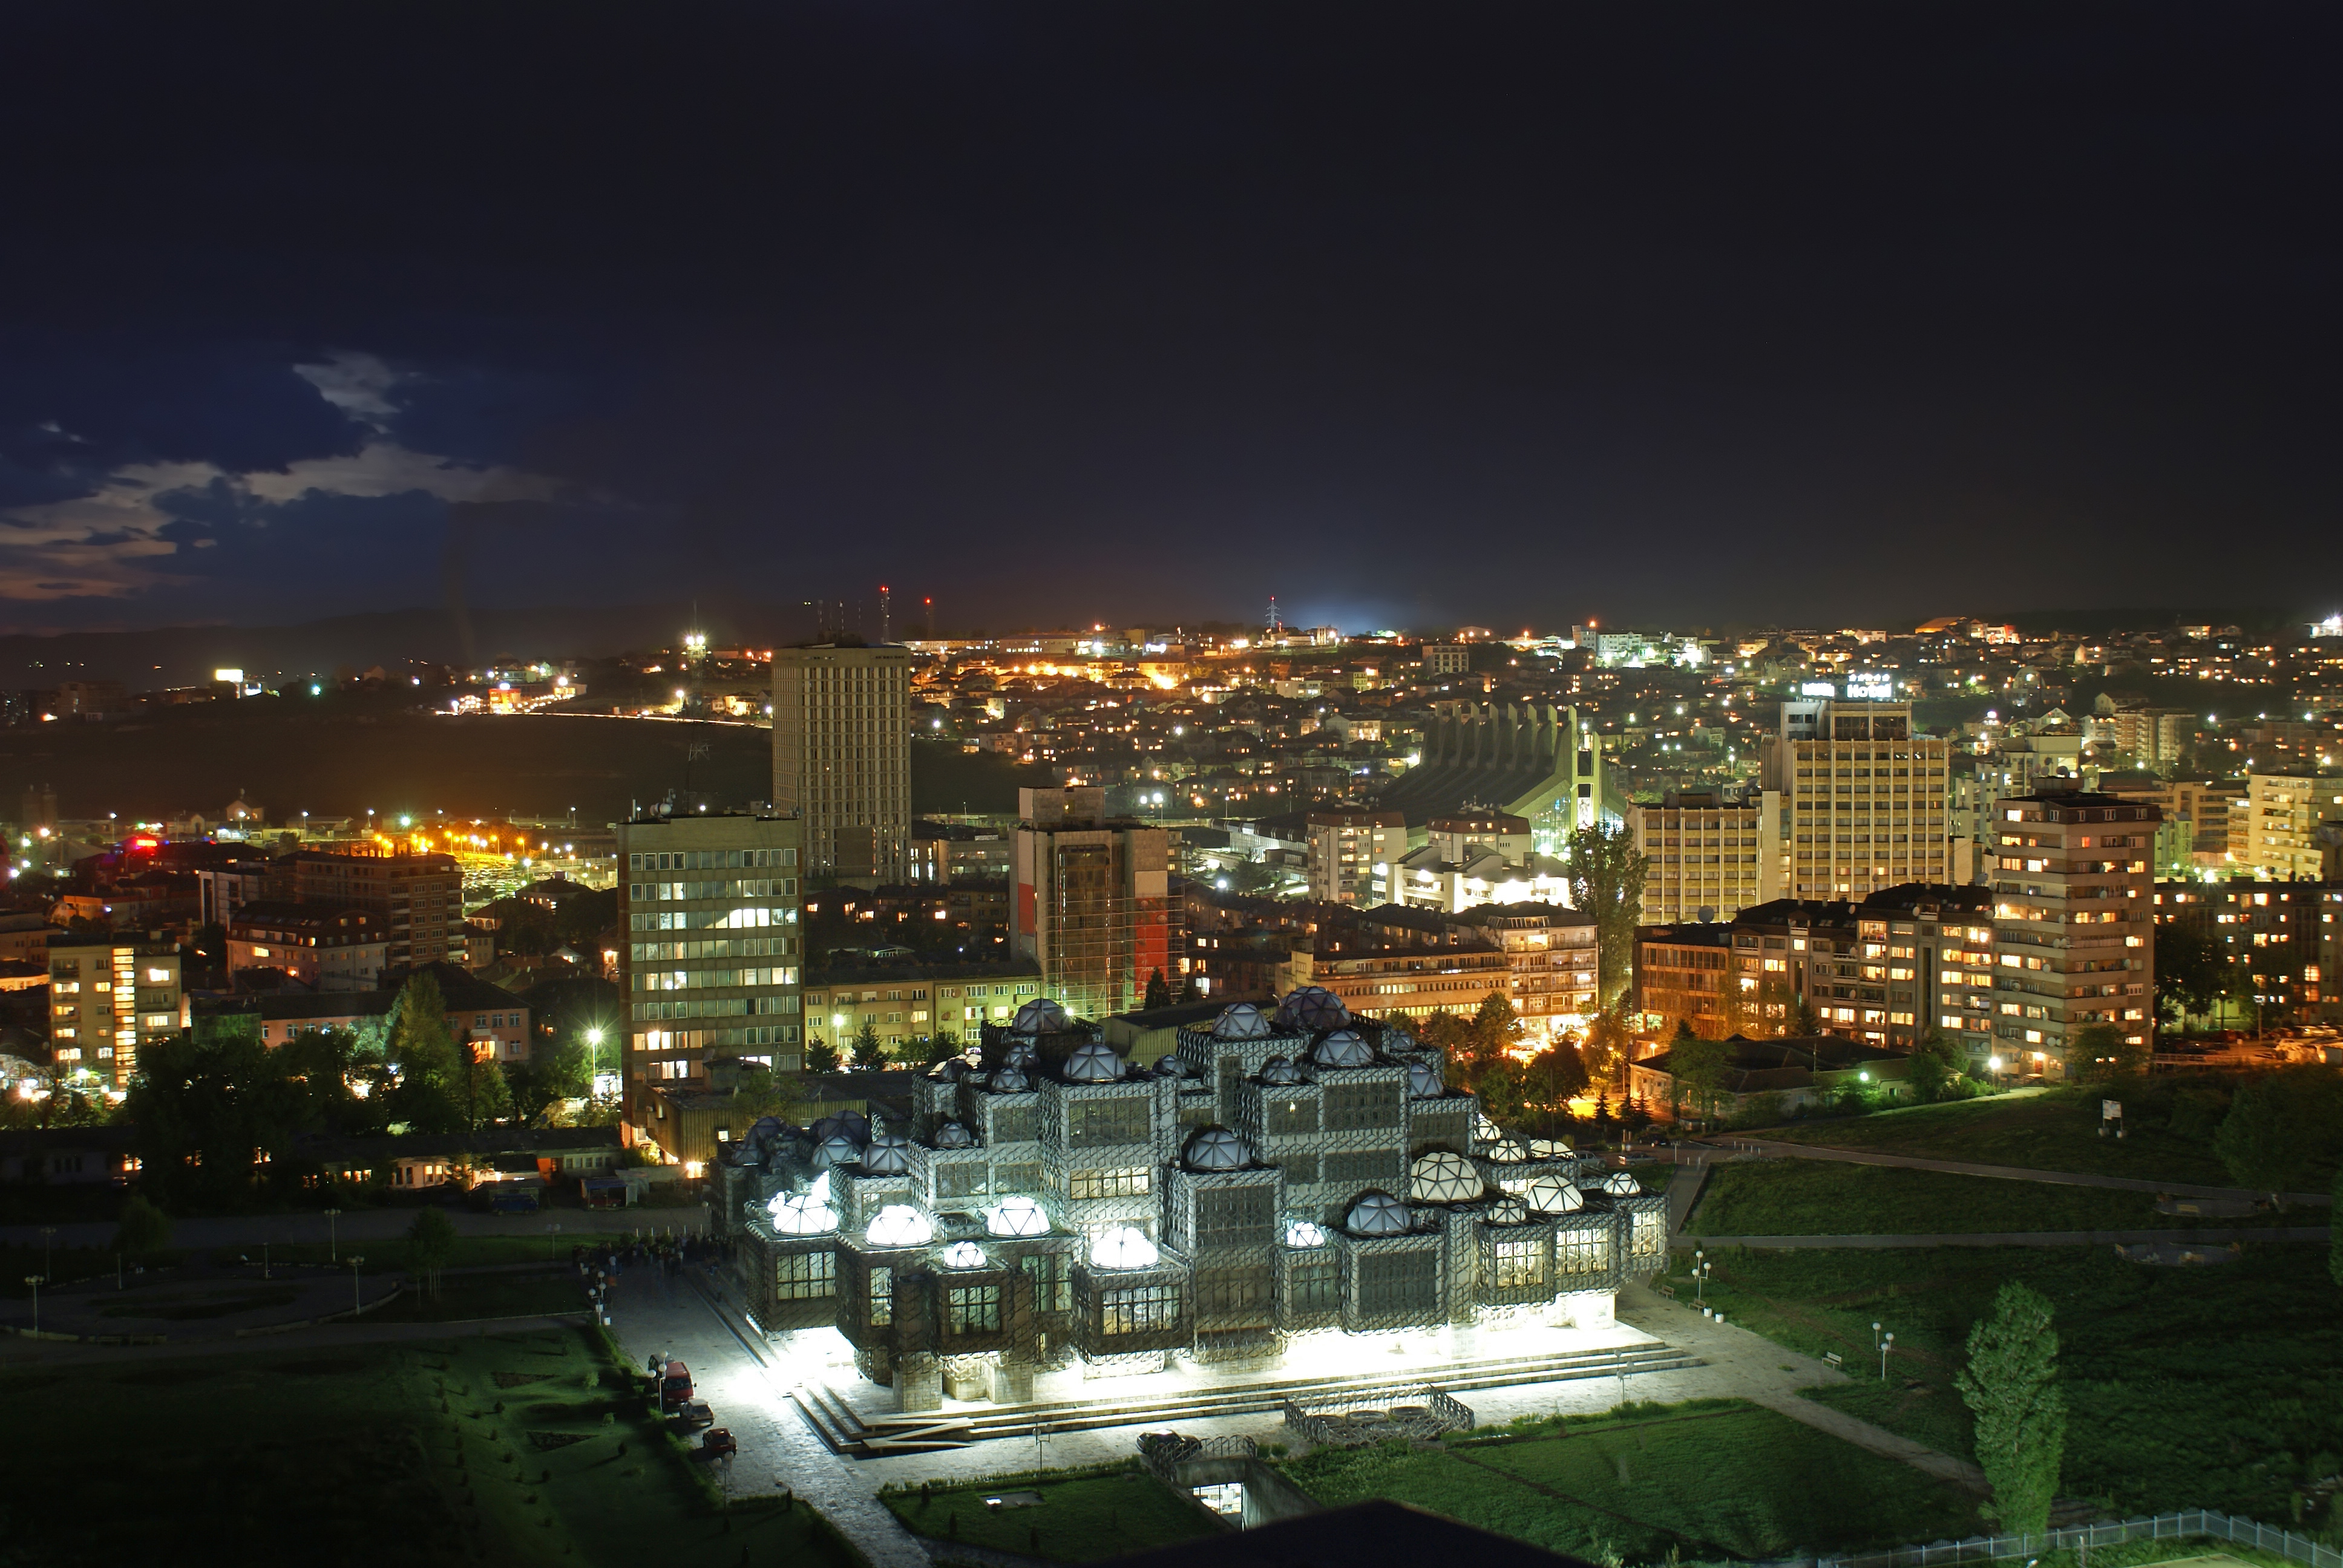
column 2283, row 814
column 1090, row 900
column 1710, row 856
column 1779, row 1077
column 322, row 947
column 2193, row 833
column 418, row 895
column 905, row 1004
column 1940, row 947
column 709, row 905
column 1549, row 960
column 2075, row 911
column 490, row 1022
column 1427, row 878
column 1685, row 973
column 842, row 759
column 221, row 890
column 1352, row 854
column 1440, row 659
column 106, row 996
column 2282, row 940
column 2149, row 737
column 1864, row 796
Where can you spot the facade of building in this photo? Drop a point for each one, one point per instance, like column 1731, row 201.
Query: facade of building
column 417, row 896
column 1785, row 1075
column 1707, row 852
column 711, row 964
column 2281, row 941
column 1864, row 795
column 1440, row 659
column 1090, row 901
column 323, row 947
column 1352, row 854
column 1688, row 974
column 1940, row 947
column 2283, row 813
column 106, row 996
column 1279, row 1176
column 907, row 1003
column 2075, row 912
column 1531, row 761
column 2195, row 813
column 843, row 757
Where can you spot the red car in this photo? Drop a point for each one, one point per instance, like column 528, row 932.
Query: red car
column 716, row 1443
column 675, row 1387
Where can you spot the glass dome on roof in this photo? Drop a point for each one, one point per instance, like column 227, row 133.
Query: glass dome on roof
column 1040, row 1016
column 1217, row 1149
column 1020, row 1053
column 1093, row 1063
column 898, row 1225
column 1486, row 1131
column 1618, row 1183
column 1281, row 1072
column 1343, row 1048
column 1240, row 1020
column 1549, row 1149
column 1397, row 1036
column 1507, row 1210
column 835, row 1150
column 766, row 1127
column 806, row 1213
column 948, row 1070
column 1423, row 1081
column 963, row 1255
column 952, row 1135
column 1553, row 1195
column 1312, row 1007
column 1124, row 1247
column 851, row 1125
column 1169, row 1065
column 1377, row 1214
column 1441, row 1177
column 1017, row 1216
column 1305, row 1233
column 888, row 1155
column 1508, row 1151
column 1007, row 1080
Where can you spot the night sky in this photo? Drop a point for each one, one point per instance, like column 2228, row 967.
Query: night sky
column 1407, row 315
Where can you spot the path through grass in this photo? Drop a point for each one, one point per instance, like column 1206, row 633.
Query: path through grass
column 2169, row 1138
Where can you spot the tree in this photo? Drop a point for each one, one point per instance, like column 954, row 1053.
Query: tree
column 1935, row 1070
column 206, row 1111
column 1554, row 1077
column 821, row 1056
column 2011, row 1386
column 2098, row 1053
column 1607, row 882
column 760, row 1091
column 1188, row 992
column 1608, row 1039
column 1490, row 1038
column 431, row 1091
column 1699, row 1068
column 1158, row 991
column 869, row 1054
column 2335, row 1236
column 430, row 1243
column 1801, row 1019
column 143, row 1231
column 2277, row 1127
column 2190, row 971
column 559, row 1072
column 1500, row 1087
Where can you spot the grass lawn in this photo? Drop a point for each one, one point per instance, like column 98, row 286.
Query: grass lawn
column 503, row 1450
column 1077, row 1521
column 1714, row 1477
column 2051, row 1129
column 464, row 1296
column 1822, row 1198
column 2217, row 1387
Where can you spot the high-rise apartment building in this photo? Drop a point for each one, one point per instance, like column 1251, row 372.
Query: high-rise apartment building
column 1864, row 798
column 2075, row 911
column 419, row 896
column 2282, row 815
column 842, row 756
column 2196, row 816
column 1708, row 853
column 106, row 996
column 712, row 962
column 1090, row 901
column 1352, row 854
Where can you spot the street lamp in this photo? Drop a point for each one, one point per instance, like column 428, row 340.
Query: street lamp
column 356, row 1306
column 1884, row 1346
column 49, row 1235
column 551, row 1231
column 1700, row 1276
column 34, row 1281
column 333, row 1249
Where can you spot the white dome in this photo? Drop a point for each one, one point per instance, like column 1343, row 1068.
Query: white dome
column 1550, row 1149
column 1020, row 1053
column 838, row 1151
column 1440, row 1177
column 899, row 1225
column 1312, row 1007
column 1217, row 1149
column 1343, row 1048
column 806, row 1213
column 1423, row 1081
column 1093, row 1063
column 1305, row 1233
column 851, row 1124
column 1397, row 1037
column 1007, row 1080
column 1486, row 1131
column 952, row 1135
column 1377, row 1214
column 1553, row 1195
column 1508, row 1151
column 888, row 1155
column 1279, row 1072
column 1123, row 1248
column 1619, row 1184
column 963, row 1255
column 1040, row 1016
column 1240, row 1020
column 1017, row 1216
column 1507, row 1210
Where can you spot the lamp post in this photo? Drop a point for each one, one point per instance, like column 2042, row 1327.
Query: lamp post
column 49, row 1235
column 1885, row 1345
column 593, row 1057
column 551, row 1231
column 34, row 1281
column 264, row 1258
column 1700, row 1276
column 333, row 1246
column 356, row 1306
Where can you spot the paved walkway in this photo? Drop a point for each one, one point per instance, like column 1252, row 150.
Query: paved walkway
column 2003, row 1173
column 2220, row 1236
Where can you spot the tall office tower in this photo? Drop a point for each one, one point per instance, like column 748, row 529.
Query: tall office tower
column 1864, row 798
column 711, row 965
column 842, row 759
column 1708, row 853
column 1091, row 904
column 419, row 894
column 2075, row 913
column 107, row 995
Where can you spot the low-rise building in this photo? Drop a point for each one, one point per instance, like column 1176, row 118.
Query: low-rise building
column 107, row 995
column 906, row 1003
column 324, row 948
column 1774, row 1077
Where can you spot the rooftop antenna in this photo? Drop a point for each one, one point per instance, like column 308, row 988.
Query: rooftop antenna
column 886, row 607
column 1276, row 626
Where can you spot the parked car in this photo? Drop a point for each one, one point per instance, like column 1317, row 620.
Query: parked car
column 716, row 1443
column 675, row 1387
column 691, row 1415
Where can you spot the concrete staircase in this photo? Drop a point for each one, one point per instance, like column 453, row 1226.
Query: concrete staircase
column 854, row 1435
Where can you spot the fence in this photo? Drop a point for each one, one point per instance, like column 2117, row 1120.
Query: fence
column 2082, row 1537
column 1164, row 1451
column 1422, row 1412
